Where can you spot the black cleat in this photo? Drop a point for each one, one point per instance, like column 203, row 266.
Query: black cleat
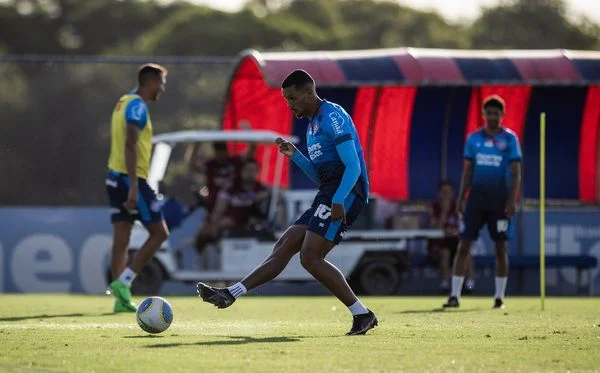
column 362, row 323
column 219, row 297
column 498, row 303
column 452, row 303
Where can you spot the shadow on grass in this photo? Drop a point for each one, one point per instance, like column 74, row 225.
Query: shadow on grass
column 44, row 316
column 438, row 310
column 54, row 316
column 232, row 341
column 144, row 336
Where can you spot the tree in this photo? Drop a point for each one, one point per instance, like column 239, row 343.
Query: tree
column 533, row 24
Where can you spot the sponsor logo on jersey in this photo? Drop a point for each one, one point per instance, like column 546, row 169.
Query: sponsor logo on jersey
column 314, row 151
column 337, row 121
column 492, row 160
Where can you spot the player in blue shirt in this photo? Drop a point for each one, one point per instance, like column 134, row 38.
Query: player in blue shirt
column 492, row 175
column 337, row 166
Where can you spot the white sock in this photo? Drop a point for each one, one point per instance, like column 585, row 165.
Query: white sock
column 358, row 308
column 237, row 289
column 127, row 276
column 457, row 283
column 500, row 287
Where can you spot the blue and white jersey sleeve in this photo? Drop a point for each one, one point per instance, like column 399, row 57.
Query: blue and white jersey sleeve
column 469, row 152
column 136, row 113
column 514, row 149
column 337, row 126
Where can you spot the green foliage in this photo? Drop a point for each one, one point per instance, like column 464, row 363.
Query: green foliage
column 535, row 24
column 65, row 107
column 180, row 28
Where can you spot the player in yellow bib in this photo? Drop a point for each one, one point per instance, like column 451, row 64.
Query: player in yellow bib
column 131, row 198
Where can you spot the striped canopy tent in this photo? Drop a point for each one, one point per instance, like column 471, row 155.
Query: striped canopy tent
column 414, row 107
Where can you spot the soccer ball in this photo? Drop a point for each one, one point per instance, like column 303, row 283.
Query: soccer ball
column 154, row 315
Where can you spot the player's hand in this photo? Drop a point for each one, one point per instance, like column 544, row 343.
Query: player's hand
column 285, row 146
column 338, row 212
column 510, row 209
column 132, row 199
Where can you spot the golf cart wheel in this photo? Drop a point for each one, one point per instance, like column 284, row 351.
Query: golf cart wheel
column 379, row 277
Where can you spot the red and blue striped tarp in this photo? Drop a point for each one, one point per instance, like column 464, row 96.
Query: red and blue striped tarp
column 416, row 107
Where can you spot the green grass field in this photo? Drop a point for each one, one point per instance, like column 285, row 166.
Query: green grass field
column 47, row 333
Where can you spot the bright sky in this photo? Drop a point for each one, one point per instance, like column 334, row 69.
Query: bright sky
column 451, row 9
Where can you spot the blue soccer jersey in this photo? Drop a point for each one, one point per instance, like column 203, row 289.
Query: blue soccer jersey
column 491, row 157
column 490, row 184
column 330, row 127
column 336, row 164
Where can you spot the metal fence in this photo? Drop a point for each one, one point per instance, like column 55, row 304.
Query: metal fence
column 55, row 119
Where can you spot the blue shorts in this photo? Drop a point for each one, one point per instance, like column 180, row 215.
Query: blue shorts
column 149, row 207
column 317, row 217
column 476, row 215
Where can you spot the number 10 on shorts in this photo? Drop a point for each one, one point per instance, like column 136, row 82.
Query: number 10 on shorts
column 502, row 226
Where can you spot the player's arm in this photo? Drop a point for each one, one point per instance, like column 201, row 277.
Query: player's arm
column 467, row 175
column 465, row 180
column 515, row 157
column 136, row 117
column 349, row 157
column 298, row 158
column 306, row 166
column 515, row 173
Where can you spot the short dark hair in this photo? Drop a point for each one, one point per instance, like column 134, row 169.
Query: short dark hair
column 150, row 71
column 444, row 183
column 494, row 101
column 297, row 78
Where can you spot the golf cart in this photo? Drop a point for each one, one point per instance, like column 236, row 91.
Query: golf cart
column 372, row 260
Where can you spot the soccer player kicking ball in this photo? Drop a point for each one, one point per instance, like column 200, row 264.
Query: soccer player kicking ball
column 336, row 164
column 492, row 172
column 131, row 198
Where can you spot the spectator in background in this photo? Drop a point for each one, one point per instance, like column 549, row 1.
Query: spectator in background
column 444, row 216
column 220, row 171
column 240, row 206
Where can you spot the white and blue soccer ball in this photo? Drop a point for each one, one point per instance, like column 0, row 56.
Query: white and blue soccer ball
column 154, row 315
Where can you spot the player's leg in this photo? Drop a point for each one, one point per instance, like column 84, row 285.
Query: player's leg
column 122, row 223
column 150, row 214
column 321, row 236
column 158, row 233
column 459, row 269
column 312, row 256
column 121, row 234
column 471, row 224
column 285, row 248
column 500, row 229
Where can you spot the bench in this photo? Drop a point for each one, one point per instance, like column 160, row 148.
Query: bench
column 522, row 262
